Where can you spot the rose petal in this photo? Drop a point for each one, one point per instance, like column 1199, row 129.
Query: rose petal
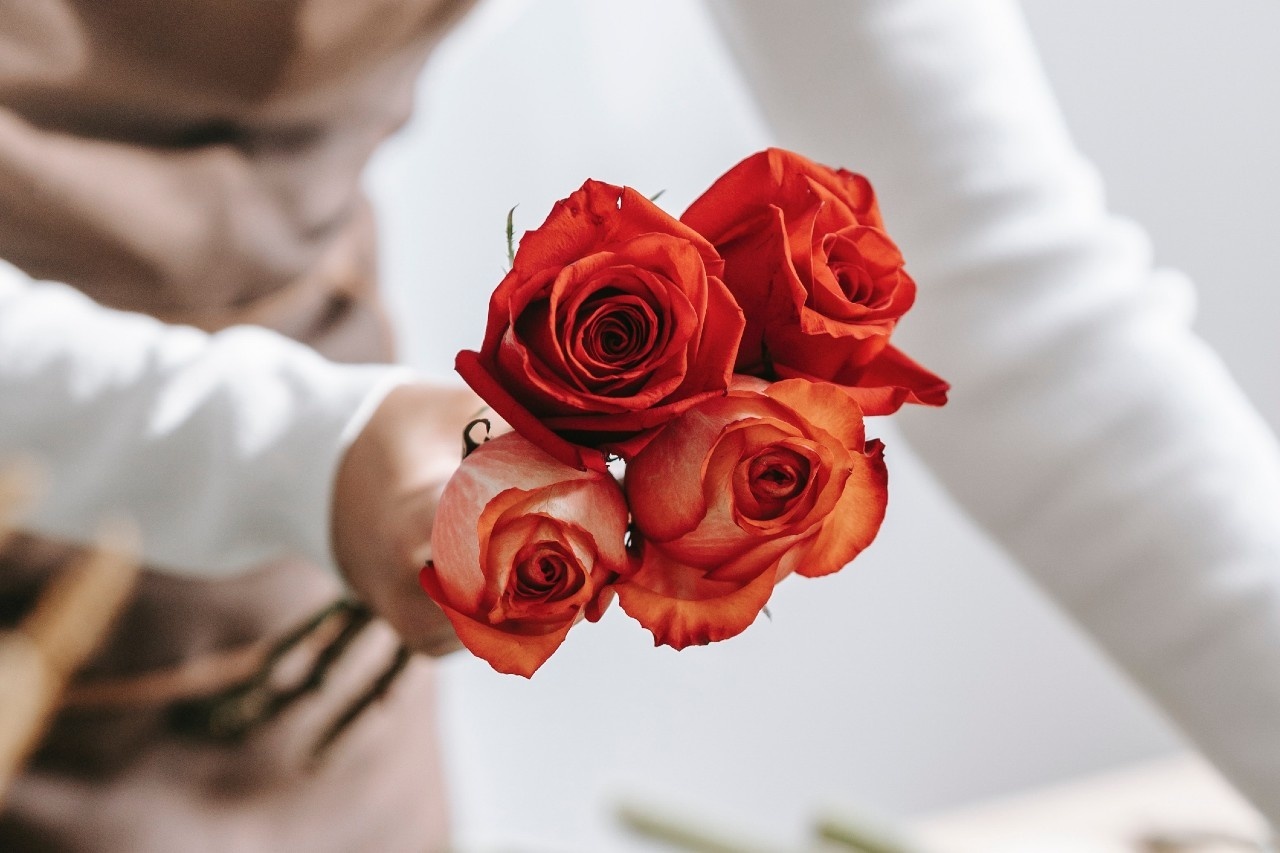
column 854, row 522
column 883, row 386
column 872, row 252
column 681, row 609
column 664, row 510
column 513, row 536
column 510, row 653
column 597, row 216
column 596, row 607
column 711, row 361
column 592, row 509
column 777, row 507
column 723, row 534
column 459, row 537
column 848, row 197
column 625, row 434
column 784, row 178
column 825, row 406
column 482, row 381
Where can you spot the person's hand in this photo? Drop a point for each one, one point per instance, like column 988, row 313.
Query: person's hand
column 385, row 501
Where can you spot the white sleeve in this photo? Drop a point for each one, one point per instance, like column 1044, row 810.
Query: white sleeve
column 1090, row 430
column 222, row 448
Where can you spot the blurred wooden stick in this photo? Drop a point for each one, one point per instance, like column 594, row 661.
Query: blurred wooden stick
column 69, row 620
column 20, row 485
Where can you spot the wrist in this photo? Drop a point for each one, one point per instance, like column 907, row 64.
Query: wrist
column 388, row 483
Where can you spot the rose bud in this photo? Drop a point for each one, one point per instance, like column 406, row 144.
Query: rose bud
column 820, row 282
column 522, row 548
column 738, row 493
column 612, row 321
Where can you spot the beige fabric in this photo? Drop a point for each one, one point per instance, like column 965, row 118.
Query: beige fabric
column 200, row 161
column 193, row 158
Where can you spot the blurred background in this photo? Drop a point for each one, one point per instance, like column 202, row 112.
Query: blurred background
column 930, row 673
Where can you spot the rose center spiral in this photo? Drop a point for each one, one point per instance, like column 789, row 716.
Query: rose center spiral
column 857, row 283
column 544, row 571
column 618, row 332
column 778, row 475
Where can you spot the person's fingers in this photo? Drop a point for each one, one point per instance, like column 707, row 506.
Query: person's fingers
column 384, row 507
column 419, row 621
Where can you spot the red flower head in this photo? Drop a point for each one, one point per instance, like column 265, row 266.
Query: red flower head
column 523, row 546
column 612, row 321
column 741, row 491
column 820, row 282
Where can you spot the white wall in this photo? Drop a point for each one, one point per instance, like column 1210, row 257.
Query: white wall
column 929, row 672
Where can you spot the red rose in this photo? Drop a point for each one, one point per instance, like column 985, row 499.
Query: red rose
column 522, row 548
column 612, row 321
column 739, row 492
column 820, row 282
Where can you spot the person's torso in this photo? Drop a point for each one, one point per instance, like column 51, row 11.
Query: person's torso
column 200, row 161
column 196, row 160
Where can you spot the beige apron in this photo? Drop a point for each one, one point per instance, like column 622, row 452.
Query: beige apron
column 200, row 161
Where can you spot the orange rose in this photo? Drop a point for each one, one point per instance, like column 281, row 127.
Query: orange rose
column 820, row 282
column 523, row 547
column 739, row 492
column 612, row 321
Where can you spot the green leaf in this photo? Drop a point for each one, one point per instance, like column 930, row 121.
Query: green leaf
column 511, row 236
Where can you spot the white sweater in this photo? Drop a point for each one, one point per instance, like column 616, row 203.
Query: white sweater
column 1089, row 430
column 223, row 448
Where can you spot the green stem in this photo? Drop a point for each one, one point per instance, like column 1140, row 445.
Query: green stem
column 682, row 834
column 862, row 836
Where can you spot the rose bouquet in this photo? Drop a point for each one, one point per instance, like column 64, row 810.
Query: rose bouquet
column 728, row 359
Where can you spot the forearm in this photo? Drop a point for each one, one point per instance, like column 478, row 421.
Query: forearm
column 1101, row 441
column 223, row 448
